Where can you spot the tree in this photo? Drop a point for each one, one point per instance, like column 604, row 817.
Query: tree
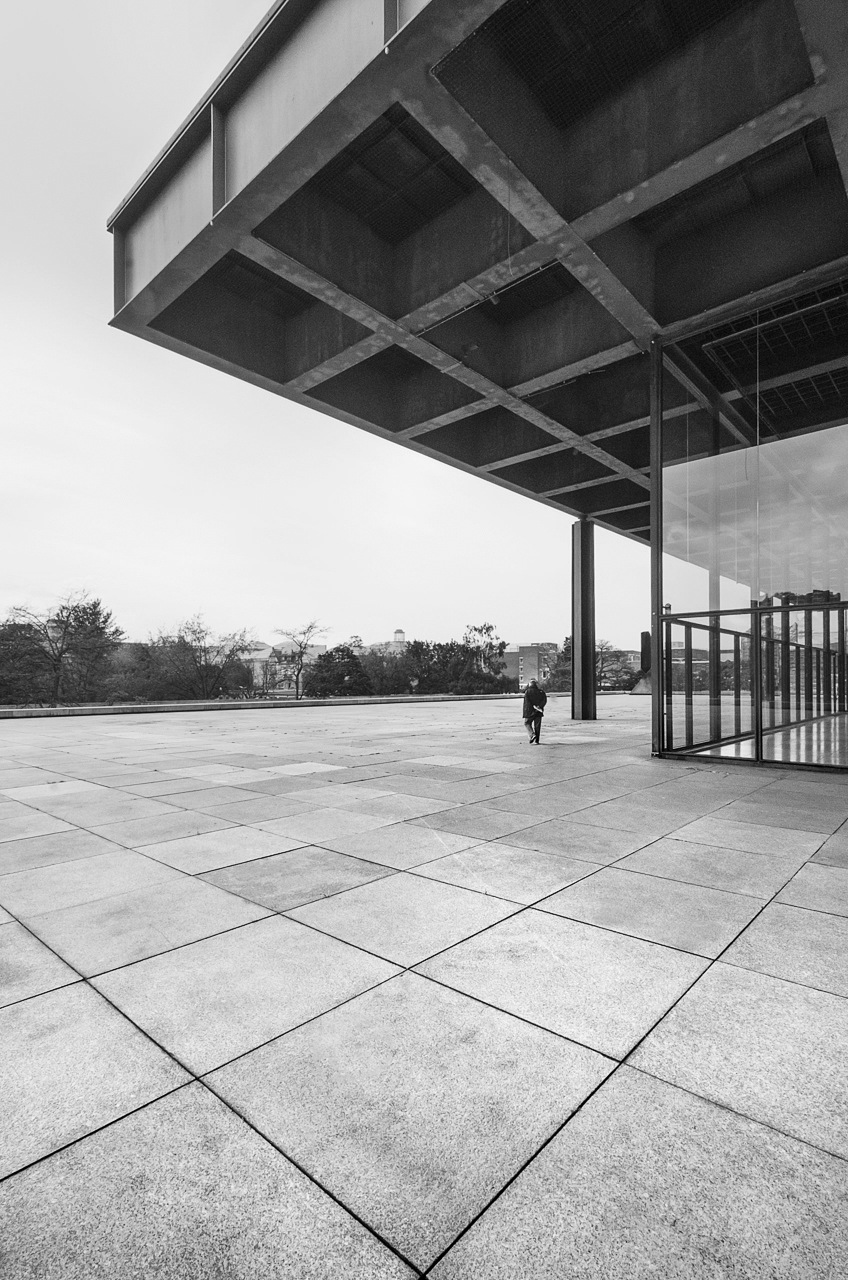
column 337, row 674
column 68, row 649
column 487, row 649
column 24, row 673
column 195, row 663
column 473, row 665
column 559, row 680
column 301, row 640
column 387, row 672
column 612, row 670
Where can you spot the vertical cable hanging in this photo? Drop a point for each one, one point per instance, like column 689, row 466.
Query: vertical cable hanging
column 757, row 455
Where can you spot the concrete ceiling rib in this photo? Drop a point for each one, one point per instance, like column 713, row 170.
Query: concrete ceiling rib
column 479, row 232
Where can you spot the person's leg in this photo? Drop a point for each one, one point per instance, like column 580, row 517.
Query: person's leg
column 528, row 725
column 537, row 727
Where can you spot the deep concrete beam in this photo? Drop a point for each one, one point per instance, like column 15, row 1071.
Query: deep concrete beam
column 595, row 483
column 824, row 27
column 324, row 290
column 466, row 141
column 771, row 295
column 706, row 395
column 732, row 148
column 784, row 234
column 444, row 419
column 354, row 355
column 796, row 374
column 569, row 372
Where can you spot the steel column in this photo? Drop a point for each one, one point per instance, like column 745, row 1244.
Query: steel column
column 583, row 706
column 656, row 547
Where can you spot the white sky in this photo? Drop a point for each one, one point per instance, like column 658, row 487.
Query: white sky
column 167, row 488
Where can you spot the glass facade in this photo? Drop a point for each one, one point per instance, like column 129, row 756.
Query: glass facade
column 751, row 550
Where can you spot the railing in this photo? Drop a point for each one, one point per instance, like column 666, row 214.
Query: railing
column 735, row 674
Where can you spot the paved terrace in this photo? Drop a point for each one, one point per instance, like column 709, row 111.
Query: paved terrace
column 381, row 991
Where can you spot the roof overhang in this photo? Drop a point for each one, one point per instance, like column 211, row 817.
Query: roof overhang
column 464, row 233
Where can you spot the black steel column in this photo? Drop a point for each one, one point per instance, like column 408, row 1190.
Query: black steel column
column 583, row 621
column 656, row 547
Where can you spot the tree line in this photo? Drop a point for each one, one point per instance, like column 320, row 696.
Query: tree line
column 474, row 664
column 77, row 653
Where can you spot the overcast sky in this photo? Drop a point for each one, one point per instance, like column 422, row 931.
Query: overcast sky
column 169, row 489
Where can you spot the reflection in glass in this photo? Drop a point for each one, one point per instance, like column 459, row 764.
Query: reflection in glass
column 755, row 576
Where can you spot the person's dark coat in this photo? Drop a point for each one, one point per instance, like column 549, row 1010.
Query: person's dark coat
column 533, row 697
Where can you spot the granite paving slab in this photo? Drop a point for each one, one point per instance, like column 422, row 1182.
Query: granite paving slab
column 44, row 851
column 215, row 999
column 27, row 968
column 562, row 798
column 480, row 820
column 172, row 825
column 450, row 1099
column 287, row 880
column 160, row 786
column 404, row 918
column 507, row 871
column 103, row 804
column 435, row 789
column 49, row 790
column 579, row 840
column 68, row 884
column 20, row 826
column 333, row 792
column 819, row 887
column 315, row 827
column 401, row 845
column 27, row 776
column 812, row 797
column 702, row 1193
column 131, row 926
column 224, row 848
column 281, row 786
column 85, row 1066
column 715, row 868
column 13, row 809
column 215, row 799
column 487, row 764
column 303, row 767
column 686, row 916
column 770, row 1049
column 258, row 808
column 810, row 947
column 833, row 853
column 601, row 989
column 768, row 813
column 750, row 837
column 648, row 822
column 183, row 1189
column 398, row 806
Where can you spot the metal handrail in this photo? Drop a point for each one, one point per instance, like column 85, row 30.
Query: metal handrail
column 790, row 681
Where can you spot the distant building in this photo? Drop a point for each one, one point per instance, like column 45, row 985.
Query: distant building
column 396, row 645
column 275, row 666
column 526, row 662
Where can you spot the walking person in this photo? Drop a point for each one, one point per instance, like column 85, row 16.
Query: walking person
column 533, row 710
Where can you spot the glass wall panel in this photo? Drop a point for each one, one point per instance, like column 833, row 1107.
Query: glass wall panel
column 754, row 542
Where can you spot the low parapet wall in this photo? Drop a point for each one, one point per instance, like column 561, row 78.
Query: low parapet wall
column 247, row 704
